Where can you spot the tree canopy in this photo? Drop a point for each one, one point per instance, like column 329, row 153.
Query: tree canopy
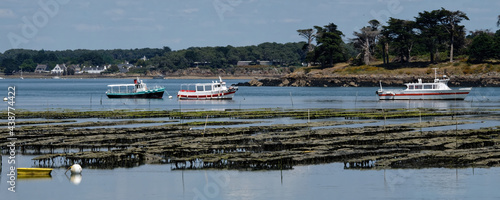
column 329, row 49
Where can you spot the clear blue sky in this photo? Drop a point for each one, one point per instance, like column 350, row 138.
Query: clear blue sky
column 126, row 24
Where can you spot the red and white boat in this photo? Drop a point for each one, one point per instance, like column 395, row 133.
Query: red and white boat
column 437, row 90
column 206, row 91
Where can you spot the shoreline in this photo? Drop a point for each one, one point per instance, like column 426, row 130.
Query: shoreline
column 133, row 76
column 480, row 80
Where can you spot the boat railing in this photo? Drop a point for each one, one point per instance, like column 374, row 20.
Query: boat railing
column 121, row 88
column 156, row 87
column 195, row 87
column 130, row 88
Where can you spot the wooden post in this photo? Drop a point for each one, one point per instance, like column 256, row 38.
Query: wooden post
column 206, row 121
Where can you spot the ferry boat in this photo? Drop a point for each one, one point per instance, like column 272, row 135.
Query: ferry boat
column 437, row 90
column 206, row 91
column 136, row 90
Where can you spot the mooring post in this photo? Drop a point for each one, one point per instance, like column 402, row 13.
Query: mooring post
column 204, row 128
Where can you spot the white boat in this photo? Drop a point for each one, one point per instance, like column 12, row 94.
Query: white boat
column 206, row 91
column 437, row 90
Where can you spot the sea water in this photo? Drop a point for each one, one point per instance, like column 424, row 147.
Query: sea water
column 89, row 94
column 325, row 181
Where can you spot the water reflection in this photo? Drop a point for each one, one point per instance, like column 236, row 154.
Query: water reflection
column 412, row 104
column 76, row 179
column 34, row 177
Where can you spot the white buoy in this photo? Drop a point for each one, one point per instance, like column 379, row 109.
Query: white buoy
column 5, row 99
column 170, row 96
column 75, row 169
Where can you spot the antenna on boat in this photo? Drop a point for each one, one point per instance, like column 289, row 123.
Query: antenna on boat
column 380, row 85
column 435, row 73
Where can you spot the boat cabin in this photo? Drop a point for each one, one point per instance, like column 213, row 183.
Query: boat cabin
column 203, row 87
column 438, row 84
column 138, row 86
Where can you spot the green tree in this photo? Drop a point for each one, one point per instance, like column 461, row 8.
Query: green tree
column 40, row 57
column 450, row 21
column 401, row 35
column 366, row 40
column 309, row 35
column 432, row 33
column 329, row 49
column 113, row 69
column 28, row 65
column 9, row 66
column 91, row 58
column 497, row 44
column 482, row 47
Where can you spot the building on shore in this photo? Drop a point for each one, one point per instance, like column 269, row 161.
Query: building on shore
column 41, row 68
column 94, row 70
column 59, row 69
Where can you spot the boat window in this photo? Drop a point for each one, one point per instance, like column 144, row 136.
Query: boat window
column 199, row 88
column 208, row 87
column 410, row 87
column 418, row 87
column 427, row 86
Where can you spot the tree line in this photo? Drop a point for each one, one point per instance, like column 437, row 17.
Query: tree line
column 163, row 59
column 436, row 35
column 433, row 34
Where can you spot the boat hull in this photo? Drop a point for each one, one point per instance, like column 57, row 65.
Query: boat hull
column 34, row 171
column 458, row 94
column 206, row 96
column 150, row 94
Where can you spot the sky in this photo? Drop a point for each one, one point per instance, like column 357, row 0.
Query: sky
column 180, row 24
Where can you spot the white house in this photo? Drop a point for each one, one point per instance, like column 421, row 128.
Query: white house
column 58, row 69
column 94, row 70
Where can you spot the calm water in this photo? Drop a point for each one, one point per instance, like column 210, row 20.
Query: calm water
column 89, row 94
column 328, row 181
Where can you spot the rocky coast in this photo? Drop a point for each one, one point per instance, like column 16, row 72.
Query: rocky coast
column 481, row 80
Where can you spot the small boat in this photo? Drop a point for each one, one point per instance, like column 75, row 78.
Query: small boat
column 34, row 172
column 136, row 90
column 437, row 90
column 56, row 77
column 207, row 91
